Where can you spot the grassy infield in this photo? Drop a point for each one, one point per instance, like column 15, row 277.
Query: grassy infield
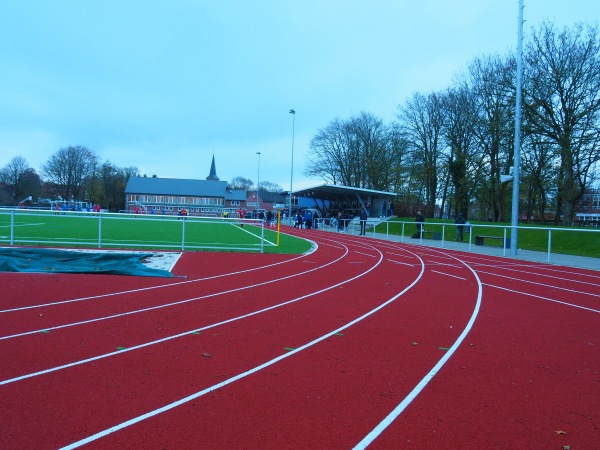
column 145, row 232
column 142, row 232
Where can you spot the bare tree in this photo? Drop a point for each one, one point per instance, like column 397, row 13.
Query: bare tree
column 69, row 169
column 270, row 187
column 562, row 105
column 464, row 159
column 421, row 120
column 539, row 163
column 106, row 186
column 328, row 150
column 355, row 152
column 241, row 183
column 492, row 82
column 14, row 177
column 376, row 156
column 398, row 151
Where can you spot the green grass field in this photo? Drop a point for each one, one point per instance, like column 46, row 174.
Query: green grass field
column 45, row 228
column 568, row 241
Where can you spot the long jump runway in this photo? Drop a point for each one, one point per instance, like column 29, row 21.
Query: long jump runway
column 360, row 343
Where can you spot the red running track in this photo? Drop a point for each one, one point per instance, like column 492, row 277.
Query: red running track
column 360, row 343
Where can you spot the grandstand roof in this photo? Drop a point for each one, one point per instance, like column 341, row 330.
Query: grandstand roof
column 339, row 193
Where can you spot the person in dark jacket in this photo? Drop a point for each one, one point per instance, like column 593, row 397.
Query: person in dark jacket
column 340, row 222
column 460, row 221
column 308, row 219
column 363, row 222
column 420, row 219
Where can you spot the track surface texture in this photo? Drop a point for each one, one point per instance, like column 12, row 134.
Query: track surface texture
column 360, row 343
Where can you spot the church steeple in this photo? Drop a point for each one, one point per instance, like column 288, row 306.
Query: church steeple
column 212, row 176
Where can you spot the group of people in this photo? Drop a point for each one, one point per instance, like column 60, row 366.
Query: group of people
column 343, row 219
column 63, row 208
column 269, row 218
column 304, row 220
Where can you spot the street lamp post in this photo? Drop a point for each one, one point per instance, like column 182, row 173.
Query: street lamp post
column 257, row 182
column 517, row 154
column 293, row 113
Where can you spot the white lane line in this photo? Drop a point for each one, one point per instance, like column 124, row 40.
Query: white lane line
column 150, row 288
column 427, row 378
column 166, row 305
column 366, row 254
column 449, row 275
column 168, row 338
column 437, row 263
column 543, row 275
column 520, row 266
column 401, row 263
column 23, row 225
column 553, row 286
column 543, row 298
column 400, row 255
column 198, row 394
column 257, row 227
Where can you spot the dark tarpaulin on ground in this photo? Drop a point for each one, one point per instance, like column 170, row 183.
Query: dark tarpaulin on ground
column 47, row 260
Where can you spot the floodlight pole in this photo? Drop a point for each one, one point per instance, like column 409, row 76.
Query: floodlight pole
column 257, row 182
column 293, row 113
column 517, row 149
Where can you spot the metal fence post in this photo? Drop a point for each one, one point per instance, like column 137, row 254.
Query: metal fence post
column 100, row 229
column 182, row 233
column 470, row 236
column 549, row 242
column 443, row 234
column 262, row 236
column 12, row 226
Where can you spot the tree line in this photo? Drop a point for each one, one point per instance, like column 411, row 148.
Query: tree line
column 446, row 150
column 72, row 173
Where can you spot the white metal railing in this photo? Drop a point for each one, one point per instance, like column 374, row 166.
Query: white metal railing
column 476, row 234
column 95, row 236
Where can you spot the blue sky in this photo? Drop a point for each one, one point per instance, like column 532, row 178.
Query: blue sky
column 164, row 85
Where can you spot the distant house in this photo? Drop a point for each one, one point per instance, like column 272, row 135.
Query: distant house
column 210, row 197
column 589, row 209
column 269, row 201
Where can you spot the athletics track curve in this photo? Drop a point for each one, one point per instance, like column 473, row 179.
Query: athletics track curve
column 361, row 341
